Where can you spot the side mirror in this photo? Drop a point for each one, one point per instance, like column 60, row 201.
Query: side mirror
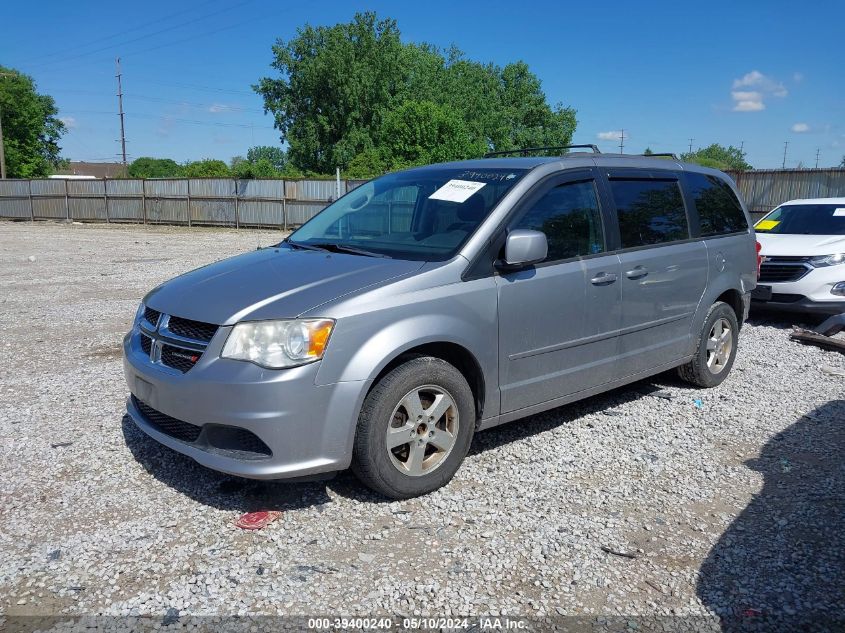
column 523, row 248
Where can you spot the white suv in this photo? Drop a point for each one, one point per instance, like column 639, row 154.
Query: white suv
column 803, row 257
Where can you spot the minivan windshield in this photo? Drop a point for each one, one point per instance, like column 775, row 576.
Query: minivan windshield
column 421, row 214
column 804, row 219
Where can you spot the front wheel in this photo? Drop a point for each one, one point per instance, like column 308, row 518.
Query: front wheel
column 716, row 349
column 414, row 429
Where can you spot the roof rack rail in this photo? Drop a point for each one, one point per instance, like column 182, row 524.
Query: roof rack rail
column 662, row 155
column 526, row 150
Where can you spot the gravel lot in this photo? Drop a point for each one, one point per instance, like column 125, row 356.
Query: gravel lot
column 732, row 506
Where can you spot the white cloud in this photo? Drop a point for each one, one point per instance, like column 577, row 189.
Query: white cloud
column 749, row 105
column 757, row 80
column 69, row 121
column 750, row 90
column 216, row 108
column 612, row 135
column 800, row 127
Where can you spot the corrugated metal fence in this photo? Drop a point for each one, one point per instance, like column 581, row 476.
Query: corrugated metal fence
column 285, row 203
column 764, row 189
column 203, row 201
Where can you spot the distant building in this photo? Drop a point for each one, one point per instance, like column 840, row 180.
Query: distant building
column 96, row 170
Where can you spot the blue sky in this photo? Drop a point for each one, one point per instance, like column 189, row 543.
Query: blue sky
column 761, row 73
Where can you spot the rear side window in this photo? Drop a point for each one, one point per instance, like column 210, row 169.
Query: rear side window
column 569, row 216
column 650, row 211
column 718, row 208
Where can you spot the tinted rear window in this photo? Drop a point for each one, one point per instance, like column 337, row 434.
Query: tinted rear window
column 718, row 208
column 650, row 211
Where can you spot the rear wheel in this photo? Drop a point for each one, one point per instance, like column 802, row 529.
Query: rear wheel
column 716, row 349
column 415, row 428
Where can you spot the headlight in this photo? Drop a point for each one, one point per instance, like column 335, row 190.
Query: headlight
column 278, row 344
column 828, row 260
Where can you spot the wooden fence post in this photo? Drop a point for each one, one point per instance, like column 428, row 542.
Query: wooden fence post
column 237, row 210
column 188, row 183
column 67, row 203
column 31, row 210
column 144, row 199
column 106, row 199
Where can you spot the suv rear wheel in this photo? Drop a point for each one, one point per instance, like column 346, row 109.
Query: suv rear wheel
column 716, row 350
column 414, row 429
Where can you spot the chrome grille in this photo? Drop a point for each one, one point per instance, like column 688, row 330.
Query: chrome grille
column 172, row 341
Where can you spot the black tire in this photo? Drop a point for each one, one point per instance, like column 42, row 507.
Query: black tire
column 697, row 371
column 371, row 459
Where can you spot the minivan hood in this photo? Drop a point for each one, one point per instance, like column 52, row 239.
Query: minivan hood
column 271, row 283
column 775, row 244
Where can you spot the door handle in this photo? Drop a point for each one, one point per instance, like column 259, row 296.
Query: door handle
column 638, row 272
column 603, row 279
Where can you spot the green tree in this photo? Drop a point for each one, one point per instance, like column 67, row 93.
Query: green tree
column 421, row 132
column 339, row 85
column 31, row 130
column 842, row 162
column 719, row 157
column 368, row 164
column 336, row 82
column 207, row 168
column 276, row 156
column 647, row 152
column 263, row 161
column 146, row 167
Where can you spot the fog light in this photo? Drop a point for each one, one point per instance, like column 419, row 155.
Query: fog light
column 838, row 289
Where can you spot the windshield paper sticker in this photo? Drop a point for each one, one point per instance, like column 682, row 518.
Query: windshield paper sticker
column 766, row 225
column 839, row 213
column 457, row 190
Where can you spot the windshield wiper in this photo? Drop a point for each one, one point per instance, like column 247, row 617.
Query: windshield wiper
column 307, row 247
column 343, row 248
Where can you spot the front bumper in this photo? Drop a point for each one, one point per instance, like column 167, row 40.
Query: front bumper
column 802, row 304
column 811, row 293
column 308, row 428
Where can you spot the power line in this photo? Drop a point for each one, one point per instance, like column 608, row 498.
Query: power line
column 142, row 37
column 124, row 32
column 147, row 115
column 220, row 107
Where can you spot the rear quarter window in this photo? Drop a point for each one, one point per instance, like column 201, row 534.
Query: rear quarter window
column 649, row 211
column 719, row 210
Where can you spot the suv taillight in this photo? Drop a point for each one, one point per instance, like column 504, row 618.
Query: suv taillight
column 759, row 259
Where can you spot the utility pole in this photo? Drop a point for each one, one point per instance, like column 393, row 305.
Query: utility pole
column 690, row 145
column 785, row 145
column 817, row 157
column 741, row 146
column 622, row 141
column 120, row 113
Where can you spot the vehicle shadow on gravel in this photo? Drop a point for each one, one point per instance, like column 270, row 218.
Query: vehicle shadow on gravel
column 784, row 320
column 782, row 561
column 605, row 403
column 216, row 489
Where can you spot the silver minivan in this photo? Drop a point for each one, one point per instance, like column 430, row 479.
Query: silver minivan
column 432, row 303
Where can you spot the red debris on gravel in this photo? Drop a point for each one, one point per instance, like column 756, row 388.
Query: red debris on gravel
column 257, row 520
